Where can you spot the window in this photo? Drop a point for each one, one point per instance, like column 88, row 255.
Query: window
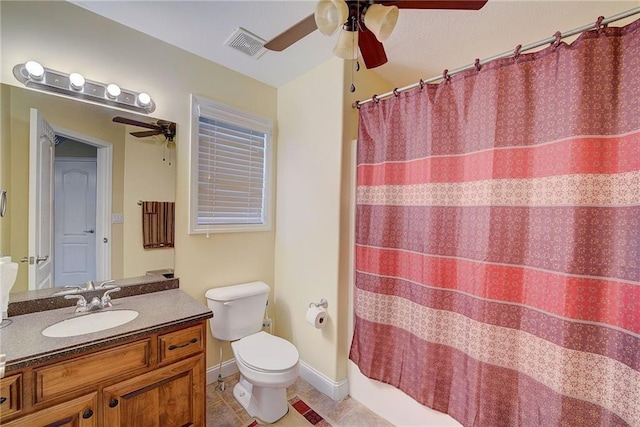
column 230, row 169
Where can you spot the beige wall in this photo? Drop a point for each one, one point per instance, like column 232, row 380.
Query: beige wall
column 77, row 40
column 317, row 126
column 150, row 178
column 308, row 200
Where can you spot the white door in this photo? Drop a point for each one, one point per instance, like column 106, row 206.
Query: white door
column 41, row 154
column 75, row 221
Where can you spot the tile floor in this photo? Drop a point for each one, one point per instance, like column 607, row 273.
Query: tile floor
column 224, row 411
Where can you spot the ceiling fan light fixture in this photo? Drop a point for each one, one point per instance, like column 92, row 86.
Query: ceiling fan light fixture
column 347, row 46
column 330, row 15
column 381, row 20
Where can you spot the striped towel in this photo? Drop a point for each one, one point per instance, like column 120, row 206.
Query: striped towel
column 158, row 224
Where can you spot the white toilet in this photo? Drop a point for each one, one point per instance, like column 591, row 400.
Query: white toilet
column 267, row 364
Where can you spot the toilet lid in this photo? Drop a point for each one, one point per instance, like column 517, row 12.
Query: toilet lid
column 265, row 352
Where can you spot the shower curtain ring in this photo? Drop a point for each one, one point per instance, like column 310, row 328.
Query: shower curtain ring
column 375, row 98
column 445, row 76
column 477, row 64
column 357, row 105
column 396, row 93
column 558, row 36
column 516, row 52
column 421, row 84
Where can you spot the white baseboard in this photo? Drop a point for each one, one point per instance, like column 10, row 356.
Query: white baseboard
column 228, row 368
column 335, row 390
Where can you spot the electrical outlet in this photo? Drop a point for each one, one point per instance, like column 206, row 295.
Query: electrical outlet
column 117, row 218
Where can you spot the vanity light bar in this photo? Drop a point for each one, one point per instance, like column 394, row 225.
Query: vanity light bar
column 34, row 75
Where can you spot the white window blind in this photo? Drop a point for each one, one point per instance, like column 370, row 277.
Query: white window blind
column 231, row 169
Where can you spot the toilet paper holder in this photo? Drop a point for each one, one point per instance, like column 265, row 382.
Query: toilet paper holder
column 323, row 303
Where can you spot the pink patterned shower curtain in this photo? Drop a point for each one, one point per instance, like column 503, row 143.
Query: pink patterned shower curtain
column 498, row 238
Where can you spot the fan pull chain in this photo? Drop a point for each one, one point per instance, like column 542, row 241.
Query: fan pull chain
column 352, row 88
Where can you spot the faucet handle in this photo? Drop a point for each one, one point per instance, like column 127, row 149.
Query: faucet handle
column 104, row 284
column 106, row 297
column 90, row 286
column 81, row 305
column 68, row 290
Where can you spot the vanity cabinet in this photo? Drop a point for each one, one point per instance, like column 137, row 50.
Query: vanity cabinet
column 78, row 412
column 168, row 396
column 154, row 380
column 10, row 396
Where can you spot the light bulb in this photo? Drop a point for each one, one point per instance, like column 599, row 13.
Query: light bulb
column 144, row 100
column 347, row 46
column 35, row 70
column 113, row 91
column 76, row 80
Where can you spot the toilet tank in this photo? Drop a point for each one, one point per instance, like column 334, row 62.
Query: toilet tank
column 238, row 310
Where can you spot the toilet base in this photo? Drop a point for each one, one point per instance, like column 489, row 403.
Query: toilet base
column 265, row 403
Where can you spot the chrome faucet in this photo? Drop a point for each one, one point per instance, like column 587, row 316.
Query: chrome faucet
column 89, row 286
column 95, row 303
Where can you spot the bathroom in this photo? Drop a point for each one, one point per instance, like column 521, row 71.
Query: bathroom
column 308, row 251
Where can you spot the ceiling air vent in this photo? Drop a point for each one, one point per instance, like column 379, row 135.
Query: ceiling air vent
column 247, row 43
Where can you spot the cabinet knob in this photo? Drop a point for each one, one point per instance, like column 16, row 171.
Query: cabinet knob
column 87, row 414
column 2, row 400
column 113, row 403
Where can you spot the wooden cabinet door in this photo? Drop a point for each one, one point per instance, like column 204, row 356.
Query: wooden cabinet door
column 79, row 412
column 170, row 396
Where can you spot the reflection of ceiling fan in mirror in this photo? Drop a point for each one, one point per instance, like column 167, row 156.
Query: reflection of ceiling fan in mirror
column 365, row 24
column 161, row 127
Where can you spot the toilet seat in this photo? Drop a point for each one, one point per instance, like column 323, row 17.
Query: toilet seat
column 267, row 353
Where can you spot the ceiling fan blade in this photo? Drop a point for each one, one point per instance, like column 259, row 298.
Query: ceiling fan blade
column 436, row 4
column 292, row 35
column 371, row 49
column 131, row 122
column 146, row 133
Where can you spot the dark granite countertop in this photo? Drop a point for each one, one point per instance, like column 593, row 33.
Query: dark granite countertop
column 24, row 345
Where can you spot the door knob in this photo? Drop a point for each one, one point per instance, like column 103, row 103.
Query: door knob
column 41, row 259
column 88, row 231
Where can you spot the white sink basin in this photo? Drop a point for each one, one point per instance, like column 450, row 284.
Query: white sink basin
column 89, row 323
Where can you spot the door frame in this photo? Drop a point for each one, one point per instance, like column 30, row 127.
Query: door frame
column 104, row 163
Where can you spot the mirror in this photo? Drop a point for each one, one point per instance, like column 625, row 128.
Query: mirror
column 143, row 169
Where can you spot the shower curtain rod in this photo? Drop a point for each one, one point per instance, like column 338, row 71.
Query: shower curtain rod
column 520, row 49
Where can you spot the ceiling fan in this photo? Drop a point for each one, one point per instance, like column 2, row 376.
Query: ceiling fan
column 161, row 127
column 365, row 25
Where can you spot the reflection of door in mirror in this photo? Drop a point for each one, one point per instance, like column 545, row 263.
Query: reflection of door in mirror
column 41, row 149
column 74, row 218
column 69, row 239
